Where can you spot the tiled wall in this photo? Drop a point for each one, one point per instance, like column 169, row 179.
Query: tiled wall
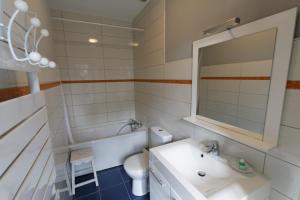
column 149, row 55
column 93, row 100
column 166, row 104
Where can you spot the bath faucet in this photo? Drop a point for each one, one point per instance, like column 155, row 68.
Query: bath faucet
column 134, row 124
column 212, row 147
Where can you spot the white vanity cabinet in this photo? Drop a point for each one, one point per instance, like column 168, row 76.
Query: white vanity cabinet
column 160, row 188
column 174, row 195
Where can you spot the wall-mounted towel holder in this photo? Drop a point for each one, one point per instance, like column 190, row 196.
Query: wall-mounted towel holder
column 32, row 55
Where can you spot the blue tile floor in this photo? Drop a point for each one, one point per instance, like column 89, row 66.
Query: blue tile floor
column 114, row 184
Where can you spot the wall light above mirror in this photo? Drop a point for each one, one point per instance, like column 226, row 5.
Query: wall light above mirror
column 239, row 80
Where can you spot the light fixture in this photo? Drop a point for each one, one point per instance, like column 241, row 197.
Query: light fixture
column 133, row 44
column 93, row 40
column 227, row 25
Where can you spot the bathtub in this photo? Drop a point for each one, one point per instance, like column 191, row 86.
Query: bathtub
column 111, row 150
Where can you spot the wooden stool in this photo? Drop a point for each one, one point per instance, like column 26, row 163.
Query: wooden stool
column 80, row 157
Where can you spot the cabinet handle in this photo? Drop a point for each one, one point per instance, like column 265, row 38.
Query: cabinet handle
column 161, row 183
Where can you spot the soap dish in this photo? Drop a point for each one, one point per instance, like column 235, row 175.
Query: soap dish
column 234, row 164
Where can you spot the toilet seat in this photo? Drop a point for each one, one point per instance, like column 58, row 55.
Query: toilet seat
column 137, row 165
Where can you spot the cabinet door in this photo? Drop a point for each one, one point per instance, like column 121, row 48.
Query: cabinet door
column 174, row 195
column 159, row 187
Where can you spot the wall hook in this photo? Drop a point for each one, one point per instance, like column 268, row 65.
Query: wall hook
column 32, row 56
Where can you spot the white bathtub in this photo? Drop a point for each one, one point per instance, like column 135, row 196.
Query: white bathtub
column 111, row 151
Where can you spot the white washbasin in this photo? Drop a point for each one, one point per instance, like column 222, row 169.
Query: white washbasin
column 184, row 159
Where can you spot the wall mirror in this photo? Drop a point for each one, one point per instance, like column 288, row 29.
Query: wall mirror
column 239, row 80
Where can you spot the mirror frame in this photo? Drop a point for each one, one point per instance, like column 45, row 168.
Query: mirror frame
column 284, row 23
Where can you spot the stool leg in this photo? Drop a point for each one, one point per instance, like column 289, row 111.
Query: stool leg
column 73, row 180
column 95, row 174
column 69, row 187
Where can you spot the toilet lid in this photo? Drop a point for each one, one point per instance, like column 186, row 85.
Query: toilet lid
column 138, row 163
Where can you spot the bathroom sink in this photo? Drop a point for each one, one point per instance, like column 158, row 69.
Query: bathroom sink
column 206, row 176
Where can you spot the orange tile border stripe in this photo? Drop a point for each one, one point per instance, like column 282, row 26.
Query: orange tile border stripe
column 96, row 81
column 171, row 81
column 238, row 78
column 45, row 86
column 293, row 85
column 130, row 80
column 14, row 92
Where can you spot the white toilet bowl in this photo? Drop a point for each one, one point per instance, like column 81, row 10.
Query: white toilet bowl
column 137, row 167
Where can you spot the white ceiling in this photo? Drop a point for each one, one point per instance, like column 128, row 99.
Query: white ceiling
column 125, row 10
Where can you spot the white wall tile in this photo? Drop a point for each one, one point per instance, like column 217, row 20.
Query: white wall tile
column 253, row 114
column 291, row 109
column 255, row 87
column 155, row 58
column 82, row 121
column 227, row 109
column 277, row 196
column 87, row 88
column 224, row 97
column 119, row 87
column 86, row 63
column 108, row 31
column 156, row 72
column 285, row 177
column 118, row 53
column 289, row 141
column 178, row 92
column 118, row 74
column 118, row 64
column 81, row 28
column 154, row 29
column 81, row 38
column 116, row 41
column 120, row 115
column 225, row 70
column 222, row 85
column 179, row 69
column 257, row 127
column 294, row 72
column 257, row 68
column 254, row 101
column 84, row 51
column 90, row 109
column 120, row 96
column 59, row 50
column 120, row 106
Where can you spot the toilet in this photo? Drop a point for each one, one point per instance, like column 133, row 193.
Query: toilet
column 137, row 166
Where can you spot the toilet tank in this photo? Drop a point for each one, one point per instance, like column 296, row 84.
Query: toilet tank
column 159, row 136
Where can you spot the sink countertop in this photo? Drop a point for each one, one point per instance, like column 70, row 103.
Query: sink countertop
column 184, row 159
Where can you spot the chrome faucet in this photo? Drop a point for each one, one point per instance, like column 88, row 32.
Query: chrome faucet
column 134, row 124
column 212, row 147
